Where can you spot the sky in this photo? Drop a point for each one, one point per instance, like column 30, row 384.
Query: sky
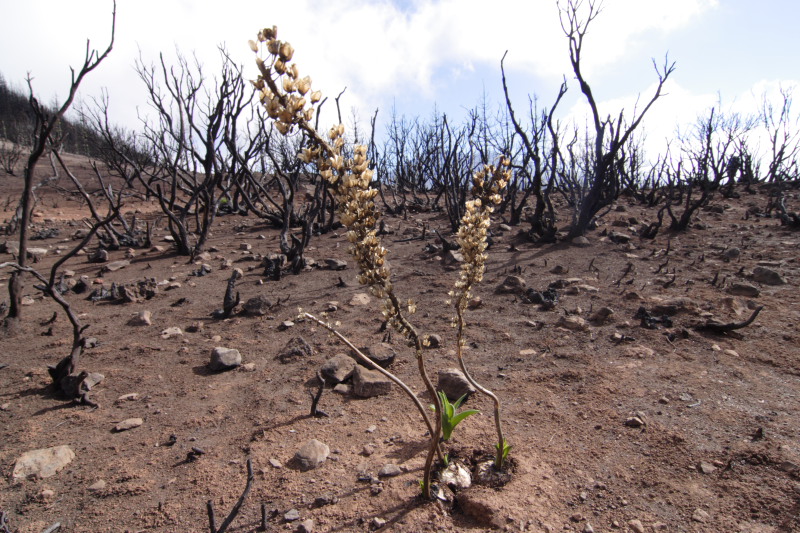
column 417, row 56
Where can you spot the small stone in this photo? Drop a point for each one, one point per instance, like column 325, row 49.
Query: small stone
column 286, row 324
column 369, row 383
column 390, row 470
column 115, row 265
column 511, row 285
column 706, row 468
column 360, row 299
column 43, row 463
column 173, row 331
column 224, row 359
column 100, row 256
column 731, row 254
column 335, row 264
column 587, row 528
column 248, row 367
column 291, row 515
column 312, row 455
column 372, row 428
column 602, row 315
column 767, row 276
column 338, row 368
column 634, row 422
column 636, row 526
column 27, row 300
column 434, row 341
column 97, row 486
column 572, row 323
column 744, row 289
column 130, row 397
column 296, row 348
column 639, row 351
column 128, row 423
column 342, row 388
column 258, row 306
column 454, row 384
column 244, row 246
column 581, row 242
column 142, row 318
column 619, row 238
column 275, row 463
column 700, row 515
column 381, row 354
column 368, row 450
column 377, row 523
column 306, row 526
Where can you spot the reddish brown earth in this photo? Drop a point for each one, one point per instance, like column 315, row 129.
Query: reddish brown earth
column 728, row 401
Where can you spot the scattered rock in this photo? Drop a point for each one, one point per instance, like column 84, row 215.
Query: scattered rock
column 360, row 299
column 286, row 324
column 335, row 264
column 224, row 359
column 381, row 354
column 27, row 300
column 275, row 463
column 701, row 516
column 342, row 388
column 115, row 265
column 602, row 315
column 97, row 486
column 142, row 318
column 454, row 384
column 581, row 242
column 130, row 397
column 100, row 256
column 390, row 470
column 636, row 526
column 291, row 515
column 306, row 526
column 377, row 523
column 245, row 247
column 639, row 351
column 572, row 323
column 731, row 254
column 511, row 285
column 634, row 422
column 128, row 423
column 312, row 455
column 767, row 276
column 369, row 383
column 706, row 468
column 43, row 463
column 173, row 331
column 619, row 238
column 434, row 341
column 338, row 368
column 258, row 306
column 297, row 348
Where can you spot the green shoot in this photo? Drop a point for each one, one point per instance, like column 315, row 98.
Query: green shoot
column 450, row 415
column 502, row 454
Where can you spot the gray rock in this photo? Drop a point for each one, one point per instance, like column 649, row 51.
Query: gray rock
column 173, row 331
column 619, row 238
column 116, row 265
column 297, row 348
column 306, row 526
column 258, row 306
column 338, row 368
column 511, row 285
column 744, row 289
column 454, row 384
column 291, row 515
column 452, row 259
column 335, row 264
column 602, row 315
column 129, row 423
column 767, row 276
column 369, row 383
column 731, row 254
column 142, row 318
column 434, row 341
column 312, row 455
column 581, row 242
column 43, row 463
column 573, row 323
column 381, row 354
column 390, row 470
column 224, row 359
column 100, row 256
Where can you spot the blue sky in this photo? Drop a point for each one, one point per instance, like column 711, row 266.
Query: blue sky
column 417, row 55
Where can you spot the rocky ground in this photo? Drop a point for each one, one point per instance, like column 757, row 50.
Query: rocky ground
column 624, row 410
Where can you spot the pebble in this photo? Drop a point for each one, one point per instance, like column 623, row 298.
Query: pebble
column 377, row 523
column 700, row 515
column 291, row 515
column 390, row 470
column 97, row 486
column 636, row 526
column 306, row 526
column 128, row 423
column 275, row 463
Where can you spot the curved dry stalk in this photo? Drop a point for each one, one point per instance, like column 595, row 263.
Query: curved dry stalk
column 366, row 360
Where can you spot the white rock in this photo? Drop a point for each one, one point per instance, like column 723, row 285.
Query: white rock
column 43, row 463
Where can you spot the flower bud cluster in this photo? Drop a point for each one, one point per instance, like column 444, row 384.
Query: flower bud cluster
column 283, row 94
column 286, row 96
column 487, row 188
